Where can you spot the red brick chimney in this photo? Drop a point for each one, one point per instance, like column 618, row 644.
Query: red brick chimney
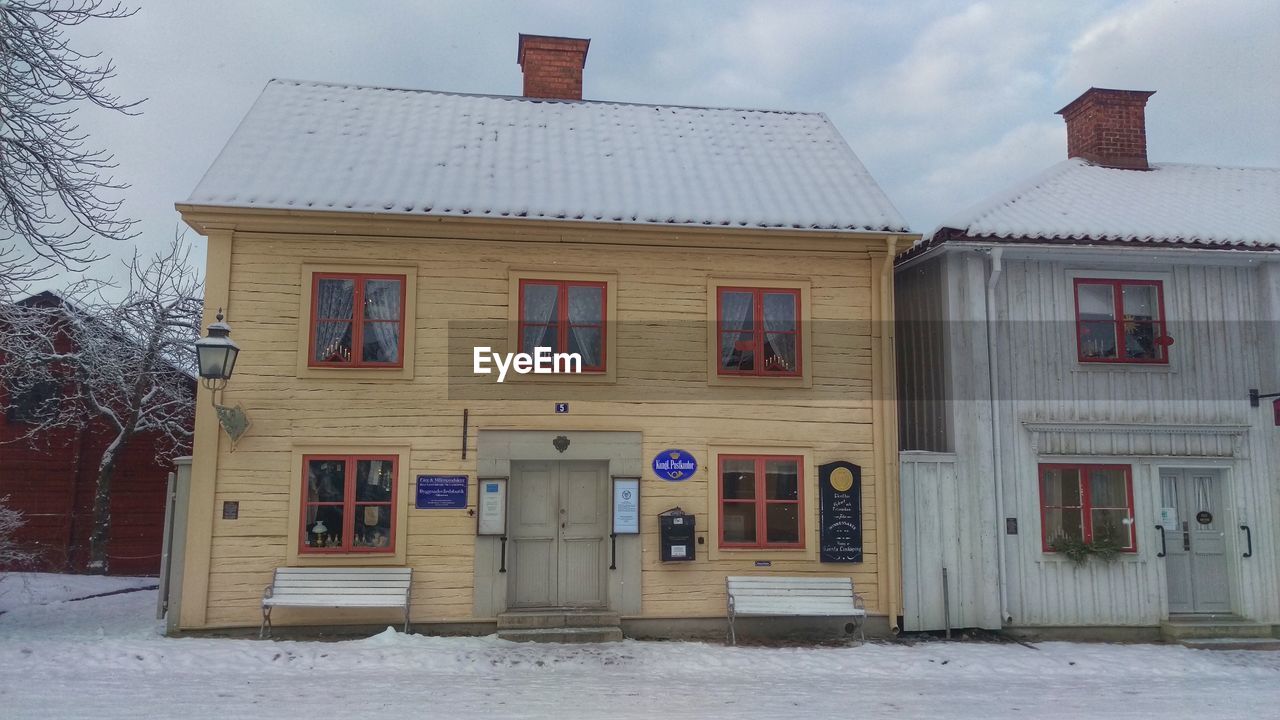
column 1108, row 127
column 552, row 66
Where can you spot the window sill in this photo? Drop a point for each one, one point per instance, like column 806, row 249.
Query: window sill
column 347, row 559
column 788, row 381
column 1100, row 367
column 1131, row 558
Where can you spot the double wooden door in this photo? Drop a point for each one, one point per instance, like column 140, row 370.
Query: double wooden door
column 1195, row 541
column 558, row 528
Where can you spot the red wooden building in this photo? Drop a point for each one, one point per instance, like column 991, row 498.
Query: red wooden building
column 52, row 482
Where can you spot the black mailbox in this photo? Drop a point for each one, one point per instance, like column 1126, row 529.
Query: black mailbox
column 675, row 535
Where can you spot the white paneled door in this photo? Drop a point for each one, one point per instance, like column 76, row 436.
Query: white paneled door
column 1195, row 541
column 558, row 528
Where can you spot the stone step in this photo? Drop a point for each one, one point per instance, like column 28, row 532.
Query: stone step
column 563, row 635
column 557, row 618
column 1246, row 643
column 1206, row 628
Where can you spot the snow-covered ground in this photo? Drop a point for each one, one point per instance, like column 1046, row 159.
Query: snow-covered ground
column 104, row 657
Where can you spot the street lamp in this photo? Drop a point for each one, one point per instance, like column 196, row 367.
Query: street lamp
column 216, row 355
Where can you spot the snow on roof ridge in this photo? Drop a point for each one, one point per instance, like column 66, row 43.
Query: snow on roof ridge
column 970, row 215
column 319, row 146
column 1179, row 203
column 562, row 101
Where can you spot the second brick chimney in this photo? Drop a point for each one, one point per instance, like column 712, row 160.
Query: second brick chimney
column 552, row 66
column 1108, row 127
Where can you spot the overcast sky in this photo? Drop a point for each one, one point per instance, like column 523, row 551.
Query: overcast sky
column 946, row 102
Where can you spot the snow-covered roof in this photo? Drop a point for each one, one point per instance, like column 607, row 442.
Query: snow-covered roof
column 308, row 145
column 1078, row 202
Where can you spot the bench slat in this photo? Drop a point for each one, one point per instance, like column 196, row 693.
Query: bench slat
column 294, row 582
column 278, row 592
column 336, row 601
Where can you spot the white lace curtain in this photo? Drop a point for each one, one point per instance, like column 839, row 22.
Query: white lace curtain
column 735, row 317
column 585, row 305
column 381, row 302
column 335, row 301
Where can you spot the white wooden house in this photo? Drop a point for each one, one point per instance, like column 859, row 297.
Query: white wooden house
column 1075, row 362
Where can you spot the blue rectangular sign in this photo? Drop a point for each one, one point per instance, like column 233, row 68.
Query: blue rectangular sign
column 442, row 492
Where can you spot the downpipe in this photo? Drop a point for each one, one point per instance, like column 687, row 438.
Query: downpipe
column 993, row 277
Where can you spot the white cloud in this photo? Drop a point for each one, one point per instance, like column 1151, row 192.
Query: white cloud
column 1213, row 65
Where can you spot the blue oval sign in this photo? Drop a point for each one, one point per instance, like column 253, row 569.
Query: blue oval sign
column 674, row 465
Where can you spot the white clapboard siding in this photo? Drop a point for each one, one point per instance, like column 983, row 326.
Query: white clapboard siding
column 1223, row 313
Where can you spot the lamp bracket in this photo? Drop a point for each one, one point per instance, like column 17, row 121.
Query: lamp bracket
column 1255, row 397
column 234, row 421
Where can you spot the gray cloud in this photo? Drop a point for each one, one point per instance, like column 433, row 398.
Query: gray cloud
column 945, row 102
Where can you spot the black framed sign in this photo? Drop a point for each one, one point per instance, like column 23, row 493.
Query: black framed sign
column 839, row 512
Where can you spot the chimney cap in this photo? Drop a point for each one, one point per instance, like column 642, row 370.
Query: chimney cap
column 1094, row 93
column 554, row 42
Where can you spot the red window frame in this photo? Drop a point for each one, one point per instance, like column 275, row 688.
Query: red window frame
column 357, row 321
column 761, row 503
column 562, row 318
column 348, row 506
column 758, row 332
column 1086, row 501
column 1117, row 294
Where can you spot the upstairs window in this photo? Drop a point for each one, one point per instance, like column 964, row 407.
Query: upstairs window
column 1087, row 503
column 761, row 501
column 1120, row 321
column 34, row 404
column 348, row 504
column 357, row 320
column 758, row 331
column 565, row 316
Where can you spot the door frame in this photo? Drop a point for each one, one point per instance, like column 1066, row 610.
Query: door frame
column 498, row 446
column 1231, row 551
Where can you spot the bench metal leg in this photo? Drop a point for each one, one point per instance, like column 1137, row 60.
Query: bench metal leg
column 264, row 630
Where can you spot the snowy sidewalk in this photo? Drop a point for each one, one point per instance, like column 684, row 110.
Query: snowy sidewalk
column 104, row 658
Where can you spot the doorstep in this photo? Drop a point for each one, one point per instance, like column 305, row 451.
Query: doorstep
column 1179, row 628
column 560, row 625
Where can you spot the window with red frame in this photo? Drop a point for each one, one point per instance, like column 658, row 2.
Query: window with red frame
column 348, row 504
column 1120, row 321
column 357, row 320
column 759, row 331
column 1087, row 503
column 565, row 316
column 761, row 501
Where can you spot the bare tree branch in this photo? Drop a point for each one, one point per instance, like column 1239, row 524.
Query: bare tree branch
column 56, row 192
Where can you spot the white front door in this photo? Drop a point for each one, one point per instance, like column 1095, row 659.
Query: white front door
column 558, row 524
column 1195, row 541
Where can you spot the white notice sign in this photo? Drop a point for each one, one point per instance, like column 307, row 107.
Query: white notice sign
column 493, row 507
column 1169, row 518
column 626, row 506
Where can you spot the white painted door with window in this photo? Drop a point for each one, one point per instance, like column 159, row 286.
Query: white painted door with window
column 1195, row 543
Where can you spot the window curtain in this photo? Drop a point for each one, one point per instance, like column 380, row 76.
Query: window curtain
column 735, row 316
column 382, row 302
column 539, row 308
column 585, row 305
column 335, row 300
column 779, row 319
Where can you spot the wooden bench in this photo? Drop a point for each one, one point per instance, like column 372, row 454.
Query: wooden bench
column 336, row 587
column 773, row 596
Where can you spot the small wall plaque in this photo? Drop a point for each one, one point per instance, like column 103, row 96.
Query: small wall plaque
column 562, row 408
column 231, row 510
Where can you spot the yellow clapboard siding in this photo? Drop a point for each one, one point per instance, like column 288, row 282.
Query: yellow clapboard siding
column 462, row 294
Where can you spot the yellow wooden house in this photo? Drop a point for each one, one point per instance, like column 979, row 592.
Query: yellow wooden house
column 724, row 277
